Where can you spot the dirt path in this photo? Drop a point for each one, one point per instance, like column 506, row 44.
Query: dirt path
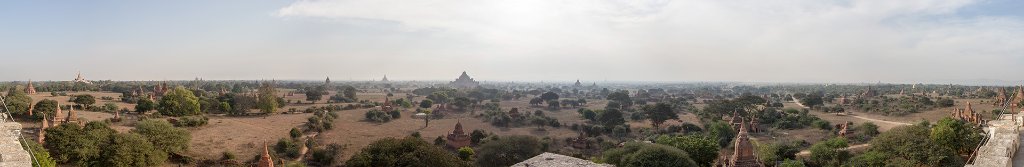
column 858, row 117
column 808, row 152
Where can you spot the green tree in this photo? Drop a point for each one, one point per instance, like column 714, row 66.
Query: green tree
column 315, row 93
column 461, row 102
column 721, row 131
column 179, row 102
column 144, row 105
column 548, row 96
column 130, row 150
column 41, row 155
column 85, row 100
column 830, row 152
column 266, row 99
column 508, row 150
column 409, row 151
column 349, row 92
column 770, row 153
column 476, row 136
column 659, row 113
column 911, row 144
column 791, row 163
column 17, row 101
column 701, row 149
column 45, row 106
column 870, row 158
column 426, row 103
column 164, row 136
column 70, row 143
column 956, row 135
column 610, row 117
column 539, row 121
column 635, row 154
column 621, row 98
column 466, row 153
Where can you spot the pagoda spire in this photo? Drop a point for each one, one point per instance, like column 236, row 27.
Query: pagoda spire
column 30, row 89
column 265, row 159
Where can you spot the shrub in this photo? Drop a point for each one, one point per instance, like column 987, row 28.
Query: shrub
column 377, row 116
column 191, row 121
column 395, row 114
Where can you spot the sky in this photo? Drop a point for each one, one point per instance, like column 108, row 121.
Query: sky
column 822, row 41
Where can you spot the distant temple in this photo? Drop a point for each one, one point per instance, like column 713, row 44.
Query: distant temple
column 385, row 79
column 79, row 78
column 1001, row 97
column 844, row 129
column 457, row 138
column 869, row 93
column 328, row 81
column 578, row 84
column 386, row 107
column 160, row 89
column 743, row 152
column 30, row 89
column 464, row 81
column 968, row 115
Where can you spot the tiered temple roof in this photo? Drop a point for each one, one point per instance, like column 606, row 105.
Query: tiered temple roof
column 265, row 159
column 1001, row 97
column 464, row 81
column 869, row 93
column 743, row 151
column 30, row 89
column 385, row 79
column 79, row 78
column 968, row 115
column 457, row 138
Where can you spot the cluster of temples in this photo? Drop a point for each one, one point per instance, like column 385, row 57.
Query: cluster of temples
column 968, row 115
column 736, row 121
column 59, row 117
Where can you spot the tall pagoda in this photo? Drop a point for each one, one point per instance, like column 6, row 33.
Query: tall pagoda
column 464, row 81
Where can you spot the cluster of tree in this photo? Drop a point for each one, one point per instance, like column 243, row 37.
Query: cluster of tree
column 190, row 121
column 898, row 106
column 409, row 151
column 636, row 154
column 744, row 104
column 97, row 144
column 946, row 143
column 375, row 115
column 701, row 149
column 787, row 118
column 347, row 95
column 321, row 121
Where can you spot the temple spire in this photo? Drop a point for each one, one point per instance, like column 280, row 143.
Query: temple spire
column 265, row 159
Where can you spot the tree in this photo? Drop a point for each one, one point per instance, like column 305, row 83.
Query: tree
column 812, row 100
column 439, row 141
column 426, row 103
column 295, row 133
column 536, row 101
column 791, row 163
column 909, row 143
column 621, row 98
column 266, row 99
column 539, row 121
column 461, row 102
column 701, row 149
column 868, row 129
column 956, row 135
column 315, row 93
column 508, row 150
column 164, row 136
column 41, row 155
column 610, row 118
column 554, row 104
column 179, row 102
column 830, row 152
column 548, row 96
column 109, row 107
column 769, row 153
column 721, row 131
column 349, row 92
column 73, row 144
column 466, row 153
column 476, row 135
column 144, row 105
column 45, row 106
column 409, row 151
column 17, row 101
column 129, row 150
column 659, row 113
column 635, row 154
column 85, row 100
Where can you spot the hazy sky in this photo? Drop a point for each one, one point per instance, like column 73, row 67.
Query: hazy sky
column 528, row 40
